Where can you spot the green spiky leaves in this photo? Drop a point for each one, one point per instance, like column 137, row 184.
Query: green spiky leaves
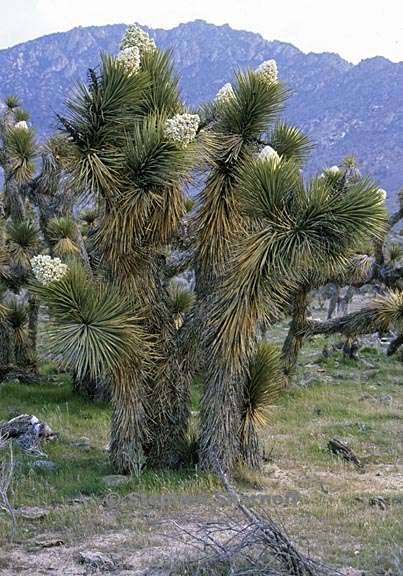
column 17, row 318
column 23, row 241
column 256, row 104
column 180, row 301
column 296, row 229
column 388, row 310
column 99, row 114
column 21, row 152
column 95, row 327
column 12, row 102
column 263, row 385
column 21, row 115
column 290, row 142
column 63, row 235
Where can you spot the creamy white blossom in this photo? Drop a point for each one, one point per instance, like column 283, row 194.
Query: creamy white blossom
column 47, row 269
column 268, row 69
column 225, row 94
column 383, row 194
column 182, row 128
column 268, row 153
column 21, row 124
column 334, row 170
column 135, row 37
column 130, row 58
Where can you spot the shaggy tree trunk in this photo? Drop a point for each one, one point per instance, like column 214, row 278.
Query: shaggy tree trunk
column 169, row 408
column 83, row 250
column 128, row 417
column 251, row 453
column 6, row 348
column 33, row 319
column 220, row 421
column 14, row 205
column 168, row 387
column 334, row 302
column 296, row 333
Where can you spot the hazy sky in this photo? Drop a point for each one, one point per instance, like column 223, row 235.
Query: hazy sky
column 355, row 29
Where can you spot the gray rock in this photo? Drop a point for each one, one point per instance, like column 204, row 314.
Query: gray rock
column 99, row 561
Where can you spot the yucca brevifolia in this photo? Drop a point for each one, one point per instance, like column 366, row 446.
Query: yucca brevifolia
column 17, row 155
column 242, row 122
column 96, row 329
column 262, row 387
column 357, row 270
column 20, row 243
column 30, row 200
column 338, row 181
column 295, row 229
column 132, row 152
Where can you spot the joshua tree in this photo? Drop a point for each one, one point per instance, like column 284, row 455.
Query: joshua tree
column 30, row 205
column 259, row 234
column 376, row 265
column 131, row 152
column 294, row 228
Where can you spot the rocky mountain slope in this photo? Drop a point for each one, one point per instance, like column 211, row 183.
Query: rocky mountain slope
column 345, row 109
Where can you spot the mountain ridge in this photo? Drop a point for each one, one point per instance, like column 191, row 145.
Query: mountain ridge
column 344, row 108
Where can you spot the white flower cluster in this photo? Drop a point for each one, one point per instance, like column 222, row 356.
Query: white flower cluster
column 135, row 37
column 47, row 269
column 182, row 128
column 383, row 194
column 21, row 124
column 268, row 70
column 225, row 94
column 268, row 153
column 130, row 58
column 332, row 171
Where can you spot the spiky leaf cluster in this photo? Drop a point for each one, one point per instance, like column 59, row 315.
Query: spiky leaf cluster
column 262, row 387
column 94, row 326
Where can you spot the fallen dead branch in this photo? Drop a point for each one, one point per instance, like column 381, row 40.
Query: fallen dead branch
column 340, row 448
column 248, row 542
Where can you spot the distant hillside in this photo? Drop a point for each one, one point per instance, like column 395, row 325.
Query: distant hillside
column 345, row 109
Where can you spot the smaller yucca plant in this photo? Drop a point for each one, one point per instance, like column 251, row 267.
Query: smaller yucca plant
column 180, row 301
column 17, row 318
column 22, row 242
column 387, row 310
column 12, row 102
column 21, row 115
column 261, row 391
column 4, row 256
column 395, row 252
column 89, row 217
column 264, row 384
column 62, row 234
column 3, row 312
column 21, row 152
